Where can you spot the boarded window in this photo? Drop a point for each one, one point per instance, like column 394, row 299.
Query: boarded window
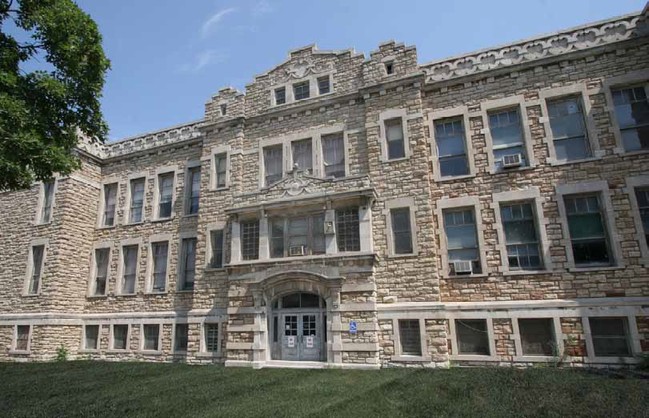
column 537, row 337
column 410, row 337
column 472, row 336
column 451, row 147
column 610, row 338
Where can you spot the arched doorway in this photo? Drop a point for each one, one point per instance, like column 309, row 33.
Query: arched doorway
column 298, row 327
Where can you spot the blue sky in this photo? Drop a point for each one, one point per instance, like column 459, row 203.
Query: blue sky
column 169, row 56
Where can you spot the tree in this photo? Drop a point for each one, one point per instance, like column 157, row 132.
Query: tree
column 42, row 112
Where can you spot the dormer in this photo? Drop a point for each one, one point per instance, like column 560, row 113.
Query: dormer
column 392, row 60
column 228, row 103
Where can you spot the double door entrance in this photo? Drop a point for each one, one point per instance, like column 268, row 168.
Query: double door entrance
column 298, row 331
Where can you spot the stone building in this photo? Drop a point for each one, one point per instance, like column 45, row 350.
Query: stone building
column 352, row 211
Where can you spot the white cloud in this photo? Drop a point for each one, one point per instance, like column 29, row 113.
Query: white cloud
column 262, row 8
column 211, row 23
column 202, row 60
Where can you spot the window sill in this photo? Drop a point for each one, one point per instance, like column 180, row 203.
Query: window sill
column 190, row 216
column 406, row 358
column 511, row 170
column 43, row 223
column 19, row 352
column 219, row 189
column 150, row 352
column 526, row 272
column 165, row 293
column 622, row 153
column 179, row 353
column 106, row 227
column 185, row 291
column 468, row 276
column 613, row 360
column 536, row 359
column 473, row 357
column 454, row 178
column 118, row 351
column 208, row 354
column 89, row 351
column 158, row 220
column 134, row 223
column 595, row 268
column 214, row 269
column 96, row 297
column 31, row 295
column 555, row 163
column 306, row 258
column 125, row 295
column 409, row 255
column 395, row 160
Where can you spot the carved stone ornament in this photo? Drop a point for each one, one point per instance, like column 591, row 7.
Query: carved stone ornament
column 297, row 184
column 303, row 68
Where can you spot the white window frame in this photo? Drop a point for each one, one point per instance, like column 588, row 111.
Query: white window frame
column 388, row 115
column 215, row 226
column 38, row 219
column 189, row 165
column 111, row 339
column 221, row 149
column 633, row 337
column 316, row 149
column 14, row 339
column 30, row 266
column 203, row 347
column 120, row 266
column 602, row 190
column 404, row 202
column 102, row 203
column 313, row 88
column 612, row 83
column 454, row 352
column 574, row 90
column 633, row 183
column 179, row 263
column 127, row 206
column 423, row 340
column 83, row 347
column 142, row 337
column 93, row 269
column 180, row 321
column 457, row 203
column 530, row 195
column 149, row 279
column 502, row 104
column 162, row 171
column 290, row 161
column 458, row 112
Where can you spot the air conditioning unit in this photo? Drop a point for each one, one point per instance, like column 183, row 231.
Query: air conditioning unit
column 462, row 267
column 297, row 250
column 512, row 160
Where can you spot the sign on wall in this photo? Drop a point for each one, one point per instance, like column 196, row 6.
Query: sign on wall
column 352, row 327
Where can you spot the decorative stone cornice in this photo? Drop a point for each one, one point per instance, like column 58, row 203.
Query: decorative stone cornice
column 561, row 43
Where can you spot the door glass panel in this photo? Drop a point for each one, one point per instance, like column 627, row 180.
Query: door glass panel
column 308, row 325
column 290, row 325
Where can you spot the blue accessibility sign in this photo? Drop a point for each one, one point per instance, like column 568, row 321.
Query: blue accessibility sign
column 352, row 327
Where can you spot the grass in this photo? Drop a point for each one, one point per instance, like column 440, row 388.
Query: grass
column 97, row 389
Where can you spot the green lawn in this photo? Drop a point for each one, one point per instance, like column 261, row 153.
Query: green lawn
column 96, row 389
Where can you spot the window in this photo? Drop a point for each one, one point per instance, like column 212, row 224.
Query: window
column 120, row 337
column 642, row 197
column 401, row 232
column 451, row 148
column 347, row 230
column 410, row 337
column 300, row 236
column 181, row 336
column 216, row 239
column 609, row 337
column 110, row 201
column 323, row 85
column 523, row 249
column 333, row 151
column 91, row 340
column 302, row 155
column 160, row 251
column 129, row 255
column 462, row 241
column 102, row 256
column 568, row 127
column 194, row 192
column 280, row 96
column 221, row 162
column 394, row 138
column 22, row 337
column 507, row 136
column 588, row 235
column 632, row 114
column 273, row 162
column 250, row 240
column 137, row 200
column 187, row 264
column 472, row 336
column 165, row 195
column 38, row 252
column 301, row 90
column 212, row 337
column 48, row 197
column 224, row 109
column 151, row 340
column 389, row 68
column 537, row 337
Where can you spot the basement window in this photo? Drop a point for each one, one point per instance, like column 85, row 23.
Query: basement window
column 610, row 337
column 211, row 337
column 410, row 337
column 91, row 337
column 472, row 336
column 151, row 340
column 537, row 337
column 181, row 337
column 120, row 337
column 22, row 337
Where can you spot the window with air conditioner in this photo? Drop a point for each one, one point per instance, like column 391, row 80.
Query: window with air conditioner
column 508, row 139
column 462, row 241
column 297, row 236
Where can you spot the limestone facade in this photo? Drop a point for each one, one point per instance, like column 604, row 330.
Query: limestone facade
column 311, row 219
